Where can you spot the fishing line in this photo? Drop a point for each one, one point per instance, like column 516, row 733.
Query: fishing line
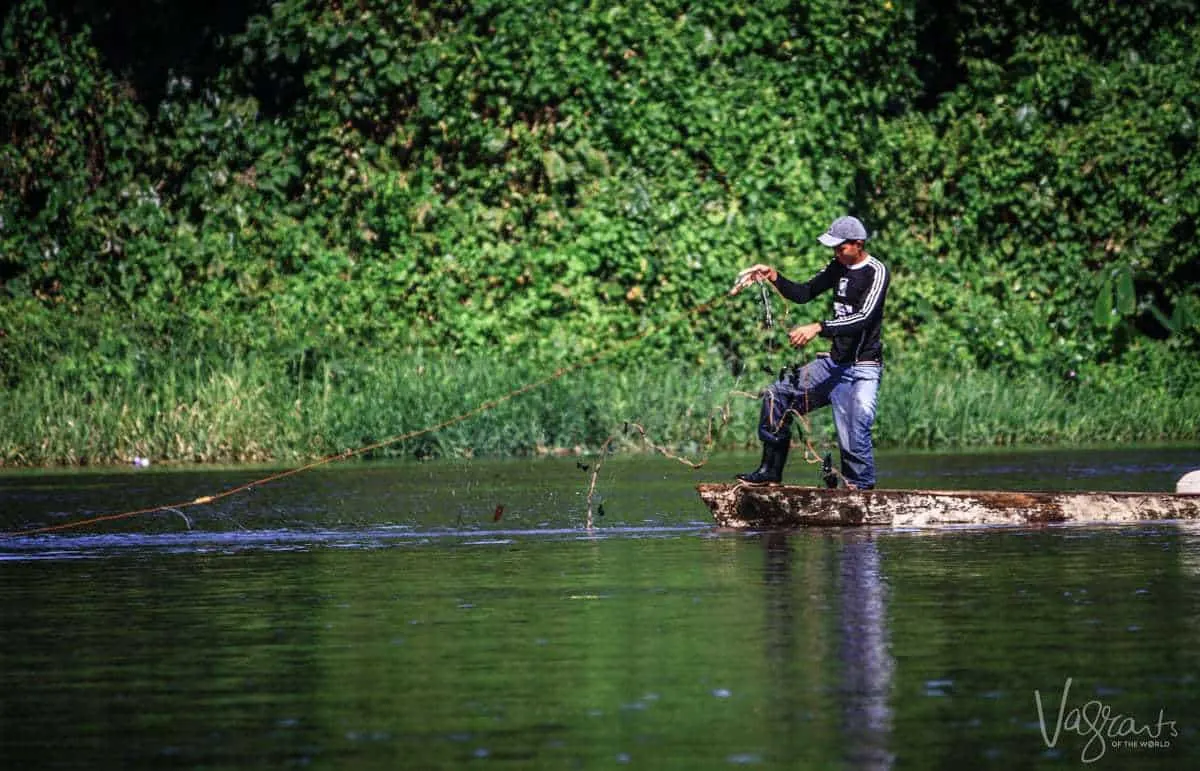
column 606, row 448
column 811, row 454
column 347, row 454
column 768, row 321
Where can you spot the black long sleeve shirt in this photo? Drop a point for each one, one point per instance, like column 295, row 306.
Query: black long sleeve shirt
column 855, row 330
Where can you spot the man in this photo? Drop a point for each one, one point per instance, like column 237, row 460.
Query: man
column 848, row 376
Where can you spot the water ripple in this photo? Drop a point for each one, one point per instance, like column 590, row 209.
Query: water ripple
column 66, row 547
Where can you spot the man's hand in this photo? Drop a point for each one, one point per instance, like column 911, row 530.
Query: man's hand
column 804, row 334
column 753, row 275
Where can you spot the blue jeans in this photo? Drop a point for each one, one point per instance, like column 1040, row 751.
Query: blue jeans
column 852, row 389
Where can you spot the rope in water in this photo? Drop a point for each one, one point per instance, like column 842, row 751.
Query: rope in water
column 811, row 455
column 478, row 410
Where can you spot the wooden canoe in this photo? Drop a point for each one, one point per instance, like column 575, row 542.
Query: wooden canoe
column 774, row 507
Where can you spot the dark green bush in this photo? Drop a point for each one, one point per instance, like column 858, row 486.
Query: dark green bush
column 548, row 179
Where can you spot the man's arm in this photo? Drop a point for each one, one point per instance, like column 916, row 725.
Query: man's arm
column 804, row 334
column 802, row 293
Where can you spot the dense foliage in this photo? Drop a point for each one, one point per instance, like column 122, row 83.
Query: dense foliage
column 316, row 180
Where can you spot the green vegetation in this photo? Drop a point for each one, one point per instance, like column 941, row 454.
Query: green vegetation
column 288, row 228
column 197, row 409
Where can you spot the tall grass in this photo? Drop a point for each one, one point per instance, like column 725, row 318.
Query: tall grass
column 924, row 408
column 254, row 409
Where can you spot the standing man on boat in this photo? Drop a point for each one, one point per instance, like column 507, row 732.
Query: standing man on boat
column 848, row 376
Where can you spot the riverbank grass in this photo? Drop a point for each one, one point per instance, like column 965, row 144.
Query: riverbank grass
column 247, row 409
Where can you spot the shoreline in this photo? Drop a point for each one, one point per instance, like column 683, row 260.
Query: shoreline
column 567, row 453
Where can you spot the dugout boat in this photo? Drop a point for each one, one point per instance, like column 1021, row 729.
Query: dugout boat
column 779, row 507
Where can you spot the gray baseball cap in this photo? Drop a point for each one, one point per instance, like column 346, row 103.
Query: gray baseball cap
column 843, row 229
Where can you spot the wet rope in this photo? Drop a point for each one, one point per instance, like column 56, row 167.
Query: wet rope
column 347, row 454
column 811, row 454
column 724, row 413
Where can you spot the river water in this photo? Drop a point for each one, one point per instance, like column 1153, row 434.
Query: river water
column 380, row 616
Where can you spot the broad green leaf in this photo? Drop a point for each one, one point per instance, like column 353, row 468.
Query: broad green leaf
column 1102, row 310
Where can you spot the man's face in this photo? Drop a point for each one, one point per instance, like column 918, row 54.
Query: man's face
column 848, row 252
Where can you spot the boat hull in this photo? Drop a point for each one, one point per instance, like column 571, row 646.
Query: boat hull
column 770, row 507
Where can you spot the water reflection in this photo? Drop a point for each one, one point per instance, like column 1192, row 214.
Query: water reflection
column 856, row 590
column 343, row 621
column 866, row 659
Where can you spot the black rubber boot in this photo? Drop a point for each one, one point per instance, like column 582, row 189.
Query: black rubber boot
column 771, row 468
column 763, row 471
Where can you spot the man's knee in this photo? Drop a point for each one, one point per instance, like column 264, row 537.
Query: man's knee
column 775, row 422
